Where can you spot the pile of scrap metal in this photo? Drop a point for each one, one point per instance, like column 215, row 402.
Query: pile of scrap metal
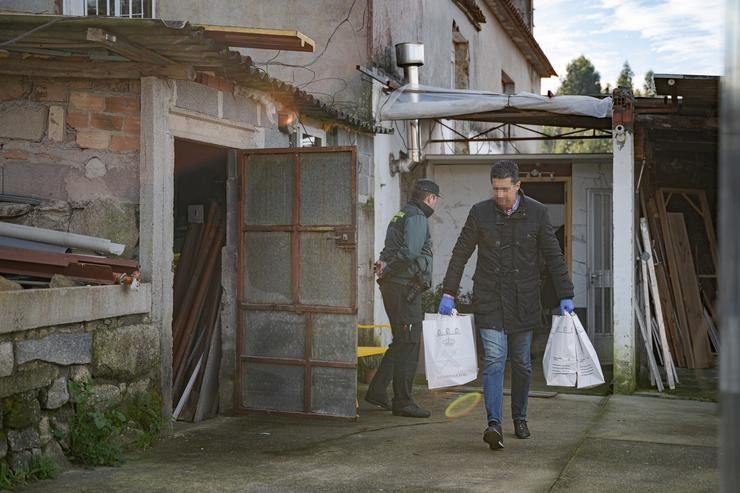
column 32, row 257
column 196, row 323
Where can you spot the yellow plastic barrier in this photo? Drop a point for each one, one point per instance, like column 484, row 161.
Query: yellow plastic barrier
column 363, row 351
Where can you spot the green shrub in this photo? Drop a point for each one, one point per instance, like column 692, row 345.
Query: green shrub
column 41, row 467
column 93, row 430
column 96, row 431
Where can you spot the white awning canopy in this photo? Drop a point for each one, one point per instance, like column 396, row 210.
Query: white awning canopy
column 412, row 102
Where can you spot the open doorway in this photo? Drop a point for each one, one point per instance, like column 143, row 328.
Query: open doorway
column 555, row 193
column 199, row 211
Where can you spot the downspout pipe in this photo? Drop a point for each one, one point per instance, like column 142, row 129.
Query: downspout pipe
column 410, row 56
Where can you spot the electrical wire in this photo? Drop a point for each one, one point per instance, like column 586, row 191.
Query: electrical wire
column 28, row 33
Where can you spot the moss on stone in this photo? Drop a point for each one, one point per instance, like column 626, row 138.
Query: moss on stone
column 21, row 410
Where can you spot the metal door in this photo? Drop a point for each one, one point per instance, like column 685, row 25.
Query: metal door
column 599, row 269
column 297, row 338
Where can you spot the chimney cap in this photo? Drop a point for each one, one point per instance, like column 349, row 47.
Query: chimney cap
column 410, row 54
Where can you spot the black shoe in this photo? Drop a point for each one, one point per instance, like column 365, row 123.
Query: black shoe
column 520, row 428
column 412, row 411
column 494, row 437
column 381, row 402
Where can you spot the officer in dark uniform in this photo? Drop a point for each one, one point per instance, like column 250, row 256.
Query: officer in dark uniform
column 404, row 271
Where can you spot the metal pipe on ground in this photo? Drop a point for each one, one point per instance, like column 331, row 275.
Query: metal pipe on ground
column 60, row 238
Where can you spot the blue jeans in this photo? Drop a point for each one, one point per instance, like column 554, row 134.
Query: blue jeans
column 496, row 344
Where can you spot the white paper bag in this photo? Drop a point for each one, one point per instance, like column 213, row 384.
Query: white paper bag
column 570, row 359
column 560, row 363
column 589, row 368
column 449, row 350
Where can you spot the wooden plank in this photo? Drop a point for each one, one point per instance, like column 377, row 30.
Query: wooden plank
column 671, row 320
column 703, row 211
column 119, row 45
column 709, row 228
column 209, row 388
column 673, row 277
column 667, row 359
column 698, row 330
column 255, row 37
column 646, row 337
column 35, row 67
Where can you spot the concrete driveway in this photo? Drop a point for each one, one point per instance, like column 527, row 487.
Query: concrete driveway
column 579, row 443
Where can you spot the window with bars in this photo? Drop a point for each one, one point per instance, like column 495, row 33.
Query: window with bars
column 133, row 9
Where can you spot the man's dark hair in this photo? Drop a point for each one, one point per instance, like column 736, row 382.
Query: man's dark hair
column 420, row 195
column 423, row 188
column 505, row 169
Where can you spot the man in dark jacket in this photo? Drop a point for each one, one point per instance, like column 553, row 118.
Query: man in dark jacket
column 404, row 272
column 512, row 232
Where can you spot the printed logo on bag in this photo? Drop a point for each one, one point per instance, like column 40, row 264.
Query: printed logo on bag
column 448, row 331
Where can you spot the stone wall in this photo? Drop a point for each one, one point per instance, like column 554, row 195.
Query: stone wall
column 117, row 357
column 74, row 144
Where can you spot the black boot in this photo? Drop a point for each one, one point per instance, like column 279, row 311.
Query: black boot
column 412, row 411
column 520, row 428
column 493, row 436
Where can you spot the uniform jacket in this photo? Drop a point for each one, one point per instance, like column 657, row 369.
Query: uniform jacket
column 511, row 250
column 408, row 245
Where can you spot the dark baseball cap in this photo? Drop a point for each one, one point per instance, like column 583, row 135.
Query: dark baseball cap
column 425, row 185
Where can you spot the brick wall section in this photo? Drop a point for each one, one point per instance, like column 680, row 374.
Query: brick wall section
column 52, row 129
column 104, row 120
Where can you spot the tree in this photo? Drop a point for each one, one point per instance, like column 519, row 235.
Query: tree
column 581, row 78
column 649, row 86
column 625, row 76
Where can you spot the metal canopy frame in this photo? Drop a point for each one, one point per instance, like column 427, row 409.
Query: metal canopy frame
column 572, row 134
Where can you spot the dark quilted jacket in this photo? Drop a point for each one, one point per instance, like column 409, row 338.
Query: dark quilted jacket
column 511, row 250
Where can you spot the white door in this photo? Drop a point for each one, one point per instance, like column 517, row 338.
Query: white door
column 600, row 272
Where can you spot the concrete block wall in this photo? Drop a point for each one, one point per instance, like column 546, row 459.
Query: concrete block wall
column 365, row 216
column 116, row 357
column 74, row 144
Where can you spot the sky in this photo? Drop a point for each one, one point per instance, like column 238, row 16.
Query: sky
column 667, row 36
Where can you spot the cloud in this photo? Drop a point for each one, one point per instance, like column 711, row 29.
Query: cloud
column 680, row 31
column 669, row 36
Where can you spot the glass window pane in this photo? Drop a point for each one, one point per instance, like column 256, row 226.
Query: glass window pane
column 326, row 188
column 267, row 267
column 269, row 183
column 274, row 334
column 334, row 391
column 334, row 338
column 326, row 271
column 270, row 386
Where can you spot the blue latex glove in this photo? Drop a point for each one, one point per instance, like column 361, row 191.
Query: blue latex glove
column 446, row 304
column 566, row 305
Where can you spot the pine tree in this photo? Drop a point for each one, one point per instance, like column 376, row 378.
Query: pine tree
column 649, row 85
column 625, row 76
column 581, row 78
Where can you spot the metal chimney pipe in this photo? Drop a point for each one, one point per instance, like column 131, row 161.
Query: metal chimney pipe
column 410, row 56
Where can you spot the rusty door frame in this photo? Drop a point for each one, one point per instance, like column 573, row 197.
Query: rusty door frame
column 295, row 307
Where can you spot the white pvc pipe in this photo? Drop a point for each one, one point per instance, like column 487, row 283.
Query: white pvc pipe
column 60, row 238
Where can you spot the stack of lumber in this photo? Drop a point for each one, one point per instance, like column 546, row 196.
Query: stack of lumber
column 678, row 286
column 196, row 323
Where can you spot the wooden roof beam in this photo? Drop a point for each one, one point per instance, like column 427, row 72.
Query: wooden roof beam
column 120, row 46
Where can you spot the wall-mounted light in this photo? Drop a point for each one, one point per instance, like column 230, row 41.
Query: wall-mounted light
column 619, row 133
column 286, row 119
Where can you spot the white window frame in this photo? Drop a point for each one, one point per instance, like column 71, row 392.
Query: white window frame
column 79, row 8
